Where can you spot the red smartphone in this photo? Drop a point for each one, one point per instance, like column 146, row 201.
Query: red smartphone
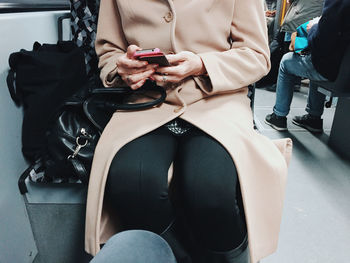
column 152, row 56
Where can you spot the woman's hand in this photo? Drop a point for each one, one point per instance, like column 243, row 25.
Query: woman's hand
column 132, row 71
column 183, row 65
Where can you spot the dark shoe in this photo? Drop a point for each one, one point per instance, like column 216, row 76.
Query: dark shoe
column 173, row 238
column 239, row 254
column 309, row 122
column 279, row 123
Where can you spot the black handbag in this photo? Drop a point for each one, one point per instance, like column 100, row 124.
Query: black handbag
column 75, row 131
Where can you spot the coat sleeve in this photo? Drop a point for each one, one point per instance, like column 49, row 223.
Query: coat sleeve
column 247, row 60
column 110, row 41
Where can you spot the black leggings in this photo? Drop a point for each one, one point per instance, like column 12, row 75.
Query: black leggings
column 206, row 179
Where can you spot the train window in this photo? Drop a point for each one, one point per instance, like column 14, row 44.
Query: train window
column 10, row 6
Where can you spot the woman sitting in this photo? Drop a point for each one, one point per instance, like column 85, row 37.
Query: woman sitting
column 228, row 180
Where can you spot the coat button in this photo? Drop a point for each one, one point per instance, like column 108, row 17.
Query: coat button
column 168, row 17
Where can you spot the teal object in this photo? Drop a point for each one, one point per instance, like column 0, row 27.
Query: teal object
column 301, row 42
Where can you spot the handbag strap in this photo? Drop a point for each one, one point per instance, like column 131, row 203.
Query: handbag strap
column 79, row 170
column 126, row 90
column 100, row 102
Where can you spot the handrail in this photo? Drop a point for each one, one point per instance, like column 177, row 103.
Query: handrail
column 13, row 7
column 284, row 8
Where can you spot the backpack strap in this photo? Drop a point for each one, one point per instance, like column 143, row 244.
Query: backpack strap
column 34, row 171
column 11, row 79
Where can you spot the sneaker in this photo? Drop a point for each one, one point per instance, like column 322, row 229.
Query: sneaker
column 307, row 121
column 279, row 123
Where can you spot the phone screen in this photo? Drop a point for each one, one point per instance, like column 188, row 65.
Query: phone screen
column 161, row 60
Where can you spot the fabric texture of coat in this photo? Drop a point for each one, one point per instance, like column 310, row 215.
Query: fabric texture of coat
column 230, row 36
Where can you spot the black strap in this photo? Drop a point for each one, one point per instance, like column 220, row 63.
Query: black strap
column 21, row 181
column 79, row 170
column 12, row 87
column 101, row 105
column 126, row 90
column 35, row 173
column 30, row 172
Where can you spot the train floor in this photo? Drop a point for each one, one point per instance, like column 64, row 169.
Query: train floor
column 316, row 221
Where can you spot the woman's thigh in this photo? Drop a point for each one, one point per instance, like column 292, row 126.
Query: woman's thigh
column 208, row 182
column 137, row 184
column 205, row 169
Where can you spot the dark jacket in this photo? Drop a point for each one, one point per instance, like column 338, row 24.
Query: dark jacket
column 329, row 39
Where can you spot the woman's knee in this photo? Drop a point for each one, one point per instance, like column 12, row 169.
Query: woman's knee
column 218, row 201
column 209, row 177
column 136, row 180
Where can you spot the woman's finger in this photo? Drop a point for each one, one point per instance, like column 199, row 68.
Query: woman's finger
column 131, row 71
column 131, row 50
column 138, row 84
column 172, row 70
column 163, row 79
column 125, row 62
column 177, row 58
column 131, row 80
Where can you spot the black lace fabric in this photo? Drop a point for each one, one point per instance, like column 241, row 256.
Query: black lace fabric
column 178, row 126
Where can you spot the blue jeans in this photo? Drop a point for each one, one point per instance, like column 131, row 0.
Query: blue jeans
column 135, row 246
column 293, row 67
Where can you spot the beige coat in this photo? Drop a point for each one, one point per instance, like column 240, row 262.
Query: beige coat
column 230, row 36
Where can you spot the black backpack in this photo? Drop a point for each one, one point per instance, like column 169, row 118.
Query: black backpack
column 41, row 80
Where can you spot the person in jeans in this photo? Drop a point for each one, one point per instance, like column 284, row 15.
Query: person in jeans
column 135, row 246
column 327, row 44
column 270, row 13
column 299, row 12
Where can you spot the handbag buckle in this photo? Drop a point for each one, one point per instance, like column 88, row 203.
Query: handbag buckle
column 81, row 142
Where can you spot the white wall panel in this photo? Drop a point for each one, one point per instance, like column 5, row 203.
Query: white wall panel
column 17, row 30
